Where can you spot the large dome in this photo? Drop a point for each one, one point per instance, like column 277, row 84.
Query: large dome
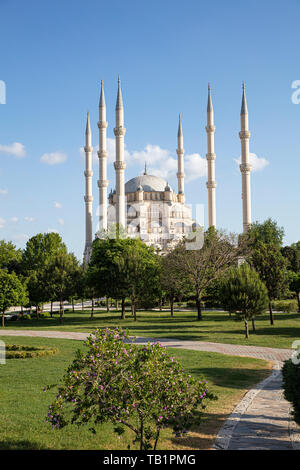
column 148, row 182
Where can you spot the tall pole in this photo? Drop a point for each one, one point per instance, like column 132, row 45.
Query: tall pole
column 102, row 155
column 245, row 166
column 211, row 157
column 88, row 198
column 180, row 162
column 119, row 164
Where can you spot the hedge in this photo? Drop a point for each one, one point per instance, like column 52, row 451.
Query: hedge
column 291, row 386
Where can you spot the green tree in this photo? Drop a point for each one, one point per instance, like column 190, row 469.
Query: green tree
column 141, row 388
column 244, row 293
column 173, row 283
column 61, row 270
column 10, row 257
column 268, row 261
column 12, row 292
column 266, row 232
column 40, row 249
column 121, row 268
column 294, row 280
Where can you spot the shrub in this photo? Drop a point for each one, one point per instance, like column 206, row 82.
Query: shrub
column 287, row 306
column 141, row 388
column 291, row 385
column 44, row 315
column 26, row 316
column 16, row 351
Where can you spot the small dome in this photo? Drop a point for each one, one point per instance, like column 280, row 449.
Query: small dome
column 140, row 188
column 149, row 183
column 167, row 188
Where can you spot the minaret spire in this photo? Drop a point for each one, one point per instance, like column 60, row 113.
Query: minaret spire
column 211, row 157
column 88, row 198
column 245, row 166
column 119, row 164
column 180, row 163
column 102, row 155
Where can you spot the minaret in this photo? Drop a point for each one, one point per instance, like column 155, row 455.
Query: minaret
column 119, row 164
column 88, row 191
column 180, row 163
column 102, row 154
column 245, row 167
column 210, row 157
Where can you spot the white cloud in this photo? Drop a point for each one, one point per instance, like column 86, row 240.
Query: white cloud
column 14, row 219
column 54, row 158
column 2, row 222
column 160, row 162
column 257, row 163
column 61, row 221
column 57, row 205
column 29, row 219
column 3, row 191
column 16, row 149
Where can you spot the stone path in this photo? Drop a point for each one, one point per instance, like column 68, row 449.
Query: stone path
column 260, row 421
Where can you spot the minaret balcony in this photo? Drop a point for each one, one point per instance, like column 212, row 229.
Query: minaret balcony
column 119, row 165
column 120, row 131
column 245, row 168
column 102, row 124
column 244, row 135
column 210, row 156
column 210, row 128
column 102, row 183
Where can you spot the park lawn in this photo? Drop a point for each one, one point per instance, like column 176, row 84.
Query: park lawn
column 24, row 405
column 215, row 327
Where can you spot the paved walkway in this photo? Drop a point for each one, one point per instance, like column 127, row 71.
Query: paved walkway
column 260, row 421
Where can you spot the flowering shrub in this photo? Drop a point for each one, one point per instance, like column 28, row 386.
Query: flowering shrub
column 142, row 388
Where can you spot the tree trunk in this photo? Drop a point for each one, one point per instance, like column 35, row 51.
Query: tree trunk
column 123, row 309
column 82, row 304
column 3, row 319
column 22, row 310
column 160, row 304
column 246, row 330
column 92, row 312
column 117, row 304
column 298, row 298
column 107, row 304
column 198, row 303
column 271, row 313
column 51, row 311
column 172, row 306
column 37, row 311
column 253, row 325
column 73, row 306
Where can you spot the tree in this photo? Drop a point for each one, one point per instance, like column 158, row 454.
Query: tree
column 10, row 257
column 172, row 283
column 121, row 268
column 12, row 292
column 266, row 232
column 294, row 280
column 141, row 388
column 292, row 256
column 268, row 261
column 202, row 266
column 244, row 293
column 40, row 249
column 61, row 270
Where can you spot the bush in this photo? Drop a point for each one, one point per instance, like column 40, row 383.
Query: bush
column 26, row 316
column 45, row 315
column 142, row 388
column 16, row 351
column 287, row 306
column 291, row 386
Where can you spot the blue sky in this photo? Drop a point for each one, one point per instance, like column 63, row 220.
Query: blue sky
column 53, row 56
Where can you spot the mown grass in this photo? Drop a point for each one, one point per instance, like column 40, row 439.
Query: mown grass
column 24, row 405
column 215, row 327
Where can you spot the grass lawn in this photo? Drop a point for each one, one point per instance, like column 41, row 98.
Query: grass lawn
column 215, row 327
column 24, row 405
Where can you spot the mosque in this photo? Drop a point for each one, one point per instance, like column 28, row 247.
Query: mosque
column 146, row 206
